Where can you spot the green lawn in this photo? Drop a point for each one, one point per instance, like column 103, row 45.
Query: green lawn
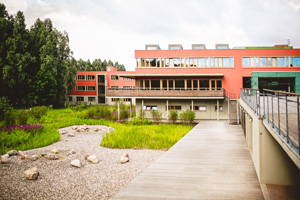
column 126, row 135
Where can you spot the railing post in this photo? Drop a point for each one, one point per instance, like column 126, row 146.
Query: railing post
column 256, row 102
column 287, row 119
column 268, row 107
column 237, row 110
column 272, row 111
column 264, row 102
column 278, row 114
column 258, row 109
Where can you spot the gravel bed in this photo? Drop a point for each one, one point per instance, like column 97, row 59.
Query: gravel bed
column 59, row 180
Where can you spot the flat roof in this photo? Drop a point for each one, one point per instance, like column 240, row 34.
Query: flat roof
column 169, row 75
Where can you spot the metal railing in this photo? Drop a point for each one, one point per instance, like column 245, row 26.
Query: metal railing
column 280, row 110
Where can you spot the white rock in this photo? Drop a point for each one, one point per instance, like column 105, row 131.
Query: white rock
column 93, row 159
column 86, row 156
column 54, row 151
column 74, row 127
column 51, row 156
column 20, row 153
column 12, row 153
column 76, row 163
column 5, row 156
column 124, row 160
column 5, row 159
column 25, row 157
column 71, row 135
column 126, row 155
column 31, row 174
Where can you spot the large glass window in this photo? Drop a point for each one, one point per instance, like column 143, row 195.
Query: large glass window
column 219, row 84
column 147, row 84
column 80, row 88
column 269, row 62
column 226, row 62
column 182, row 62
column 167, row 62
column 152, row 62
column 143, row 62
column 147, row 61
column 80, row 99
column 114, row 77
column 191, row 62
column 204, row 84
column 176, row 62
column 195, row 84
column 212, row 63
column 291, row 61
column 91, row 77
column 91, row 88
column 286, row 61
column 201, row 62
column 158, row 62
column 171, row 85
column 280, row 62
column 246, row 62
column 207, row 62
column 179, row 84
column 141, row 84
column 171, row 62
column 262, row 62
column 80, row 77
column 189, row 84
column 138, row 62
column 155, row 84
column 297, row 61
column 165, row 84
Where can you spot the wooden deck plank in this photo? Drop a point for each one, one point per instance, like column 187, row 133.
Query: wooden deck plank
column 211, row 162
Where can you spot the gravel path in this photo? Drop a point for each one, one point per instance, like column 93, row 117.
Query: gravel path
column 59, row 180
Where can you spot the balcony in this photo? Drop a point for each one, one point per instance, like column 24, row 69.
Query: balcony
column 157, row 92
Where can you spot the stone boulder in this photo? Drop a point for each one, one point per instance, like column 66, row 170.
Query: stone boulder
column 124, row 158
column 55, row 151
column 34, row 157
column 20, row 153
column 51, row 156
column 12, row 153
column 93, row 159
column 86, row 156
column 5, row 159
column 31, row 174
column 76, row 163
column 25, row 157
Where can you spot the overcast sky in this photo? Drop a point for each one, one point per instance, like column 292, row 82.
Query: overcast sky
column 113, row 29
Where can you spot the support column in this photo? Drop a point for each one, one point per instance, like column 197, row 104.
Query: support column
column 192, row 105
column 218, row 117
column 167, row 109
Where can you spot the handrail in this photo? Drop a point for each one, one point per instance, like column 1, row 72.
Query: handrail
column 279, row 111
column 281, row 92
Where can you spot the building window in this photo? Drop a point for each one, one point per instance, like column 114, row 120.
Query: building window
column 201, row 62
column 114, row 87
column 114, row 77
column 200, row 108
column 176, row 62
column 91, row 99
column 80, row 99
column 90, row 77
column 297, row 61
column 174, row 108
column 80, row 88
column 91, row 88
column 138, row 62
column 220, row 108
column 149, row 108
column 80, row 77
column 70, row 98
column 120, row 99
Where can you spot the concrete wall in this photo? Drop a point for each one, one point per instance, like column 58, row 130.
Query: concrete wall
column 85, row 98
column 185, row 105
column 274, row 162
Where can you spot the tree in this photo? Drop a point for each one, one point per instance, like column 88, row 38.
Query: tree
column 121, row 68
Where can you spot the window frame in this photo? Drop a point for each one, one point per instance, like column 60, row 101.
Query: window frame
column 116, row 77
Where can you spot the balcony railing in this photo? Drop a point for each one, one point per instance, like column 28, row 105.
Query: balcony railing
column 164, row 92
column 280, row 110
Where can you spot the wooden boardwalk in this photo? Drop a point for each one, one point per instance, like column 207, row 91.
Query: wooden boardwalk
column 211, row 162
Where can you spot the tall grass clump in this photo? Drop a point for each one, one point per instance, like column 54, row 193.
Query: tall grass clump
column 156, row 136
column 38, row 112
column 156, row 116
column 187, row 116
column 173, row 116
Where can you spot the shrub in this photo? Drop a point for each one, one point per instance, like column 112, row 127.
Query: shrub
column 22, row 117
column 5, row 106
column 173, row 116
column 187, row 116
column 156, row 115
column 142, row 114
column 138, row 121
column 123, row 114
column 38, row 112
column 10, row 118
